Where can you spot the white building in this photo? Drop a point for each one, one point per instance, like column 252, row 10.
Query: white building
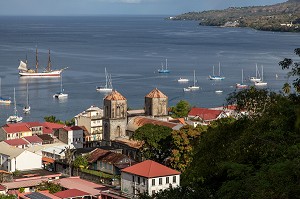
column 72, row 136
column 91, row 119
column 148, row 176
column 14, row 158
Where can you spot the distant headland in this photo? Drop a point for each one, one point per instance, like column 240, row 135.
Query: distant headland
column 283, row 17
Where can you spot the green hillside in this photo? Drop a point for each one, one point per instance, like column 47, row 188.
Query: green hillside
column 278, row 17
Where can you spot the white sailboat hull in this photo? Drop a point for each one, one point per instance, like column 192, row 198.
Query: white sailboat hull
column 260, row 83
column 5, row 101
column 60, row 95
column 100, row 89
column 182, row 80
column 54, row 73
column 14, row 119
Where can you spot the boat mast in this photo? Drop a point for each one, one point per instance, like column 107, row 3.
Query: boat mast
column 262, row 73
column 219, row 69
column 106, row 78
column 166, row 64
column 15, row 108
column 27, row 98
column 36, row 61
column 49, row 63
column 194, row 79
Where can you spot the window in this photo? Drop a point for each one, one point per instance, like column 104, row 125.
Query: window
column 132, row 178
column 174, row 179
column 153, row 191
column 153, row 182
column 144, row 181
column 160, row 181
column 139, row 180
column 167, row 180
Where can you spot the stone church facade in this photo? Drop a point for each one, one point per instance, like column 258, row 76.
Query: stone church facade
column 115, row 112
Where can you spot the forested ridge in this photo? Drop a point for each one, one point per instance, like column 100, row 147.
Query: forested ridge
column 277, row 17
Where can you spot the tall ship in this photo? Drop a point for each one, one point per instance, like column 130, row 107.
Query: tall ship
column 47, row 72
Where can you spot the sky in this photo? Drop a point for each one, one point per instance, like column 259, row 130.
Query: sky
column 118, row 7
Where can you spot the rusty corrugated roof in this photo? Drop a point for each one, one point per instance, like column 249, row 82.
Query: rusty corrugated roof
column 155, row 93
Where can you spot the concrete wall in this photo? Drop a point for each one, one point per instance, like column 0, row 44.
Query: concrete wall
column 26, row 161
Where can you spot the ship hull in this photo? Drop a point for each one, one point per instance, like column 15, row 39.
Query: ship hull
column 55, row 73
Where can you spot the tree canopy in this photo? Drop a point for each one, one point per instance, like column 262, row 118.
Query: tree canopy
column 255, row 156
column 181, row 109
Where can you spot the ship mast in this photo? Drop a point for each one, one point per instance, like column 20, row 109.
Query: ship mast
column 36, row 61
column 49, row 63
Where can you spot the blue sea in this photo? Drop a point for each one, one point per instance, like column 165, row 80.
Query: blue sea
column 132, row 48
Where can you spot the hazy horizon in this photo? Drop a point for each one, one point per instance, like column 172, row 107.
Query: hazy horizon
column 118, row 7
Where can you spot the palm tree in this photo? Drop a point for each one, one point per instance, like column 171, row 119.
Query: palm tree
column 286, row 88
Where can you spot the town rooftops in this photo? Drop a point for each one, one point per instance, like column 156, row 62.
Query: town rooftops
column 71, row 193
column 80, row 184
column 33, row 139
column 106, row 156
column 15, row 128
column 155, row 93
column 205, row 113
column 139, row 121
column 38, row 195
column 16, row 142
column 72, row 128
column 115, row 95
column 150, row 169
column 10, row 151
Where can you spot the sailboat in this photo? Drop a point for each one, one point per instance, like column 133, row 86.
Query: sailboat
column 242, row 85
column 108, row 84
column 26, row 108
column 48, row 72
column 61, row 94
column 2, row 99
column 216, row 77
column 14, row 118
column 164, row 70
column 261, row 82
column 257, row 76
column 193, row 87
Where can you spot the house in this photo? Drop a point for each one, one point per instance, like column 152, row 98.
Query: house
column 14, row 131
column 14, row 158
column 109, row 162
column 71, row 136
column 46, row 138
column 204, row 116
column 91, row 119
column 149, row 177
column 19, row 142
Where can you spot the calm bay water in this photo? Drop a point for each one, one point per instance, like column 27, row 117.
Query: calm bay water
column 132, row 48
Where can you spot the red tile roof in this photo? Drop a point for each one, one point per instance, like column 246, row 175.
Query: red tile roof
column 150, row 169
column 80, row 184
column 33, row 139
column 2, row 188
column 49, row 127
column 53, row 125
column 72, row 128
column 205, row 113
column 15, row 128
column 48, row 160
column 34, row 124
column 16, row 142
column 155, row 93
column 115, row 95
column 71, row 193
